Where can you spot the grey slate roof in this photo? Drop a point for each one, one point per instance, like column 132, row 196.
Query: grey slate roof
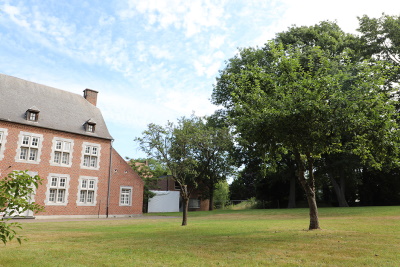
column 59, row 110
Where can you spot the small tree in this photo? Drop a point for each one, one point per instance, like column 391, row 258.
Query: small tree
column 149, row 170
column 172, row 145
column 15, row 197
column 193, row 151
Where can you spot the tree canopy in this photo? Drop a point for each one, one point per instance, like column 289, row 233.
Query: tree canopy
column 300, row 99
column 192, row 150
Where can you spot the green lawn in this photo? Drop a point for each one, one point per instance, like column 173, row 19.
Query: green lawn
column 350, row 237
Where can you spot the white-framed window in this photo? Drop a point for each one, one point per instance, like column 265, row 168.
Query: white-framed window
column 87, row 191
column 57, row 189
column 125, row 196
column 90, row 156
column 3, row 140
column 32, row 116
column 29, row 147
column 194, row 203
column 90, row 126
column 62, row 152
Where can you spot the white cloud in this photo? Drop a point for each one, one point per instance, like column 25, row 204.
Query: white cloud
column 209, row 65
column 15, row 15
column 160, row 53
column 193, row 16
column 216, row 41
column 151, row 60
column 186, row 102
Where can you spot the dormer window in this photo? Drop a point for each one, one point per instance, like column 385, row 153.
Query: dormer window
column 90, row 126
column 32, row 114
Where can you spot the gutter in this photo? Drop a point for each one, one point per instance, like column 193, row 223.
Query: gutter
column 109, row 179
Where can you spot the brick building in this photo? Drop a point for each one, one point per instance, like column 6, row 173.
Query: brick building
column 167, row 198
column 62, row 137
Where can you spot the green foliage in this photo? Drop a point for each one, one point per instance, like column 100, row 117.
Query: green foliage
column 15, row 197
column 307, row 93
column 381, row 37
column 193, row 150
column 221, row 194
column 149, row 170
column 172, row 146
column 291, row 107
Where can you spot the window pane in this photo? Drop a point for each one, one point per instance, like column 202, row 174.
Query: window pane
column 90, row 196
column 57, row 157
column 53, row 181
column 94, row 150
column 58, row 145
column 32, row 116
column 33, row 154
column 84, row 183
column 122, row 199
column 87, row 150
column 62, row 182
column 86, row 161
column 35, row 141
column 67, row 146
column 93, row 161
column 61, row 195
column 52, row 195
column 90, row 128
column 65, row 158
column 82, row 197
column 91, row 184
column 25, row 141
column 24, row 153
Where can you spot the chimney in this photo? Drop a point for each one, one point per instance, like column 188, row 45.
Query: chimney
column 90, row 95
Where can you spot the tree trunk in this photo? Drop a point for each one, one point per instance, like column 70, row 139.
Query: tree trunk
column 312, row 203
column 339, row 190
column 211, row 203
column 185, row 211
column 292, row 193
column 309, row 188
column 185, row 203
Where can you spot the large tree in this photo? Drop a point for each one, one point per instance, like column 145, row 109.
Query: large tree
column 304, row 100
column 191, row 149
column 381, row 41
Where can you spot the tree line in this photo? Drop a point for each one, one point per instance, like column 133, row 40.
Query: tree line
column 314, row 105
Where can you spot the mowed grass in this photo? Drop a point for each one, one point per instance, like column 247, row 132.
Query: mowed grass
column 367, row 236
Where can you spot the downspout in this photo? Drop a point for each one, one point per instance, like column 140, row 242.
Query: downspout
column 109, row 179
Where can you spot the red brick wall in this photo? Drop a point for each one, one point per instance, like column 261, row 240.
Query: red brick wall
column 75, row 171
column 123, row 175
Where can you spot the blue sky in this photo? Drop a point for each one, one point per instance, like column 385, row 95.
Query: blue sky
column 151, row 60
